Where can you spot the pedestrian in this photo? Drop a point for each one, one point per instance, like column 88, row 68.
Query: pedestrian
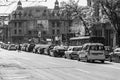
column 19, row 48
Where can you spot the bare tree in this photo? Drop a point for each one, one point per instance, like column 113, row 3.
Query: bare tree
column 111, row 9
column 73, row 10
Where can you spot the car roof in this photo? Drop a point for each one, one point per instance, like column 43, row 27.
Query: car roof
column 74, row 46
column 117, row 49
column 60, row 47
column 93, row 44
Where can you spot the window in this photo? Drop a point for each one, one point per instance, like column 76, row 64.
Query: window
column 44, row 32
column 53, row 24
column 86, row 47
column 20, row 14
column 20, row 31
column 97, row 47
column 15, row 31
column 29, row 32
column 58, row 24
column 44, row 13
column 20, row 24
column 35, row 32
column 15, row 14
column 53, row 32
column 25, row 14
column 37, row 10
column 58, row 31
column 15, row 24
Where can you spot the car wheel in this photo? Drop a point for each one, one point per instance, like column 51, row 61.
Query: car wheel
column 87, row 60
column 92, row 61
column 64, row 56
column 102, row 61
column 51, row 53
column 69, row 56
column 110, row 59
column 79, row 59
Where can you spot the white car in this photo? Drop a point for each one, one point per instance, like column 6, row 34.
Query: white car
column 72, row 52
column 92, row 51
column 12, row 47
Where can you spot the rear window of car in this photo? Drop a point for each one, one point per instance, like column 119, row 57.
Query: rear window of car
column 97, row 47
column 12, row 45
column 77, row 49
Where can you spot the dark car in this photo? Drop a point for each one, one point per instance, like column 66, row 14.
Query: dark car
column 41, row 49
column 58, row 51
column 108, row 50
column 48, row 48
column 12, row 47
column 30, row 47
column 24, row 46
column 35, row 49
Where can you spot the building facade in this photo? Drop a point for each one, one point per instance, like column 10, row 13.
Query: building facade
column 37, row 22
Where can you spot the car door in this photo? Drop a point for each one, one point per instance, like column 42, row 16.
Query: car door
column 68, row 52
column 84, row 51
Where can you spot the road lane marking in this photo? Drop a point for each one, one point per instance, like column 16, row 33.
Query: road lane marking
column 111, row 67
column 83, row 71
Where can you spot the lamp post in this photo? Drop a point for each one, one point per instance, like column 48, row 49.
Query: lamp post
column 69, row 22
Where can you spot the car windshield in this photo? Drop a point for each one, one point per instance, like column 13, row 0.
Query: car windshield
column 12, row 45
column 77, row 49
column 97, row 47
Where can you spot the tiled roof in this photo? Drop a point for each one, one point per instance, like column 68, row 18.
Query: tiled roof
column 9, row 8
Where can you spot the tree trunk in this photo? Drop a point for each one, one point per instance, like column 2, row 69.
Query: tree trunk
column 114, row 39
column 118, row 39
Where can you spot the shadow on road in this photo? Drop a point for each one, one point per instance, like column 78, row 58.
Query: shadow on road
column 98, row 62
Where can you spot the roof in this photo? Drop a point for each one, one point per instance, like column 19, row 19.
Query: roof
column 117, row 49
column 93, row 44
column 19, row 3
column 7, row 9
column 75, row 46
column 81, row 37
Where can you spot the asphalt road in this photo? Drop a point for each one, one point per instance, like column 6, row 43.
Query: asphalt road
column 29, row 66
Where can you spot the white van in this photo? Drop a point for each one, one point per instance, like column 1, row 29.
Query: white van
column 92, row 52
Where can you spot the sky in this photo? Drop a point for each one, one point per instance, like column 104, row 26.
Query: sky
column 49, row 4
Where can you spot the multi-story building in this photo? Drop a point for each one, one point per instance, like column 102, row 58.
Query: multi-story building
column 37, row 22
column 59, row 23
column 17, row 24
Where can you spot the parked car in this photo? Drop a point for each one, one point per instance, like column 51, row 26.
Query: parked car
column 72, row 52
column 92, row 51
column 108, row 50
column 36, row 48
column 30, row 47
column 6, row 46
column 24, row 46
column 12, row 47
column 58, row 51
column 115, row 55
column 2, row 45
column 41, row 49
column 19, row 46
column 48, row 48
